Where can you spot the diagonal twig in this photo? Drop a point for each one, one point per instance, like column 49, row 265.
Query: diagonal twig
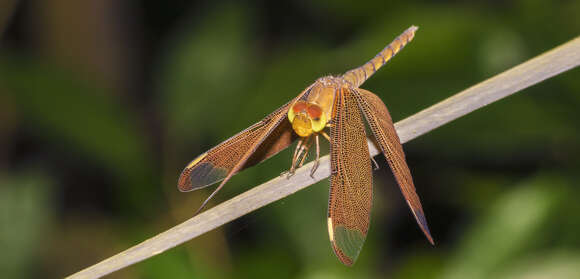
column 549, row 64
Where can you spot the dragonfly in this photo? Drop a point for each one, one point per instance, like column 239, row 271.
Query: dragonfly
column 335, row 104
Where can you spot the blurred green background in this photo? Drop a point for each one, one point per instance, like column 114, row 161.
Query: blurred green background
column 104, row 102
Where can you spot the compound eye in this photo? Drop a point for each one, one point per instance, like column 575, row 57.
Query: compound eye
column 314, row 111
column 299, row 106
column 317, row 116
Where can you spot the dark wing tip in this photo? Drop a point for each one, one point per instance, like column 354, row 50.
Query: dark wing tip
column 199, row 174
column 184, row 181
column 341, row 257
column 422, row 221
column 347, row 244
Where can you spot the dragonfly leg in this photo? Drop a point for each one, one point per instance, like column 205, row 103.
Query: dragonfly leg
column 289, row 172
column 375, row 163
column 325, row 135
column 297, row 152
column 306, row 150
column 300, row 147
column 316, row 162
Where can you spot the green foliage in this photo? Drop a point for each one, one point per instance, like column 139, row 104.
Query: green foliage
column 498, row 185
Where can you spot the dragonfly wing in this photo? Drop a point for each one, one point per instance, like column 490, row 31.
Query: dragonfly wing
column 350, row 198
column 379, row 119
column 214, row 165
column 280, row 138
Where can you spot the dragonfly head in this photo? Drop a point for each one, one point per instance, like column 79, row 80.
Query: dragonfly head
column 306, row 118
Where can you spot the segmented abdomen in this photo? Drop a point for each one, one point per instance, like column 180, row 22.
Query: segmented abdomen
column 359, row 75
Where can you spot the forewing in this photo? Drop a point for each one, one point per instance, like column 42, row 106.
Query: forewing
column 350, row 199
column 379, row 119
column 215, row 164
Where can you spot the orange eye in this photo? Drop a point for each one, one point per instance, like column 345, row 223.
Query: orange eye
column 299, row 106
column 314, row 111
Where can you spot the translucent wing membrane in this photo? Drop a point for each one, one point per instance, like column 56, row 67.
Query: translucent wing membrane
column 350, row 199
column 214, row 165
column 379, row 119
